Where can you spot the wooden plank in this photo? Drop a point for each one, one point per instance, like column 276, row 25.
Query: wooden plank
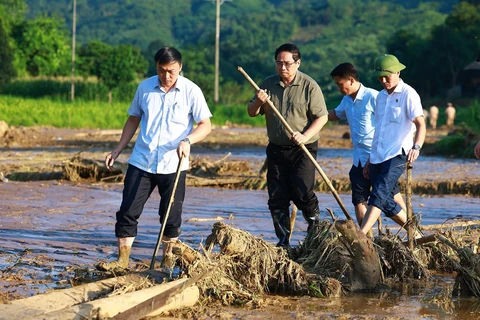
column 110, row 307
column 63, row 298
column 150, row 305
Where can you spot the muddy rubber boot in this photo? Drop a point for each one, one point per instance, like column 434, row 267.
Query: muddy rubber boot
column 169, row 258
column 312, row 217
column 281, row 223
column 124, row 248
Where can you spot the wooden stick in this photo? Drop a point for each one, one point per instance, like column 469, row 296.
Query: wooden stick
column 293, row 217
column 314, row 161
column 423, row 240
column 410, row 226
column 380, row 226
column 172, row 199
column 331, row 214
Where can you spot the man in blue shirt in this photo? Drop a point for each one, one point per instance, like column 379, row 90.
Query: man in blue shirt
column 165, row 107
column 358, row 108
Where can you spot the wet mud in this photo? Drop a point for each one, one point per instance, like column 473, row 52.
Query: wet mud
column 50, row 227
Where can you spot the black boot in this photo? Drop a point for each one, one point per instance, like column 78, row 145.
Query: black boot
column 281, row 222
column 312, row 217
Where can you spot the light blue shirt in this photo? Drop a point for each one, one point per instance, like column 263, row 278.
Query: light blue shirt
column 394, row 115
column 166, row 118
column 360, row 114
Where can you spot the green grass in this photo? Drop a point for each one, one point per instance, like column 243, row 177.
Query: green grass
column 46, row 112
column 234, row 114
column 96, row 114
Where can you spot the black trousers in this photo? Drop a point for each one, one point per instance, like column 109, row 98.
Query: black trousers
column 138, row 186
column 291, row 177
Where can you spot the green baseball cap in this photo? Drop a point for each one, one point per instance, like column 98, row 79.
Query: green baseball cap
column 386, row 65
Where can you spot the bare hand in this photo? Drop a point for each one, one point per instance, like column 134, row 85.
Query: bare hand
column 413, row 155
column 262, row 95
column 183, row 149
column 110, row 159
column 298, row 138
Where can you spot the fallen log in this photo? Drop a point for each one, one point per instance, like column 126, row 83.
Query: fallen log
column 365, row 267
column 60, row 299
column 113, row 307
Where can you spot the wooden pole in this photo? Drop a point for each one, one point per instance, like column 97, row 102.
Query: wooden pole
column 410, row 226
column 293, row 217
column 309, row 155
column 74, row 35
column 170, row 203
column 217, row 50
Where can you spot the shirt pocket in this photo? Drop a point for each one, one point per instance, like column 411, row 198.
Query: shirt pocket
column 395, row 114
column 180, row 114
column 297, row 106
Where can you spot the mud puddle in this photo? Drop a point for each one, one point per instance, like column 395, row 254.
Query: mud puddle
column 49, row 227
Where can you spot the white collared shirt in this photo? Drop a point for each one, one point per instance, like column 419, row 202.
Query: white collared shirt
column 394, row 115
column 166, row 118
column 360, row 114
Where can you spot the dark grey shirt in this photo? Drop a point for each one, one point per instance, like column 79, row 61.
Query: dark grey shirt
column 300, row 104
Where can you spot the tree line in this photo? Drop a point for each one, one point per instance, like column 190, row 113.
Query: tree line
column 118, row 39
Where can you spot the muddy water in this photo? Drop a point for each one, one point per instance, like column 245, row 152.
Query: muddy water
column 336, row 162
column 47, row 227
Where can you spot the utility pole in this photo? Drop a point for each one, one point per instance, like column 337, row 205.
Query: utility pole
column 217, row 48
column 74, row 31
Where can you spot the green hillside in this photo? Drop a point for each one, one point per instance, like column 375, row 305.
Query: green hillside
column 328, row 32
column 190, row 21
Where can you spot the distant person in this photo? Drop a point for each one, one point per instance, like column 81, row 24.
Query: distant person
column 165, row 107
column 358, row 108
column 399, row 135
column 290, row 173
column 476, row 150
column 433, row 116
column 450, row 114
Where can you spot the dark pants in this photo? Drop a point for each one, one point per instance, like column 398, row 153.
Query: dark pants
column 291, row 177
column 384, row 177
column 361, row 186
column 138, row 186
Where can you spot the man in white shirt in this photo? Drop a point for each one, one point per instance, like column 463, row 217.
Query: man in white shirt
column 399, row 135
column 165, row 106
column 358, row 108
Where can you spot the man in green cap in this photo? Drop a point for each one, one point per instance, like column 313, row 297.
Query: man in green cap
column 399, row 135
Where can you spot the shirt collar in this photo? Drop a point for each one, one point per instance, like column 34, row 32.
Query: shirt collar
column 180, row 85
column 399, row 87
column 360, row 93
column 295, row 81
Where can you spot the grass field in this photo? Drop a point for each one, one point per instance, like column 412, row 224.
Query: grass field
column 27, row 112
